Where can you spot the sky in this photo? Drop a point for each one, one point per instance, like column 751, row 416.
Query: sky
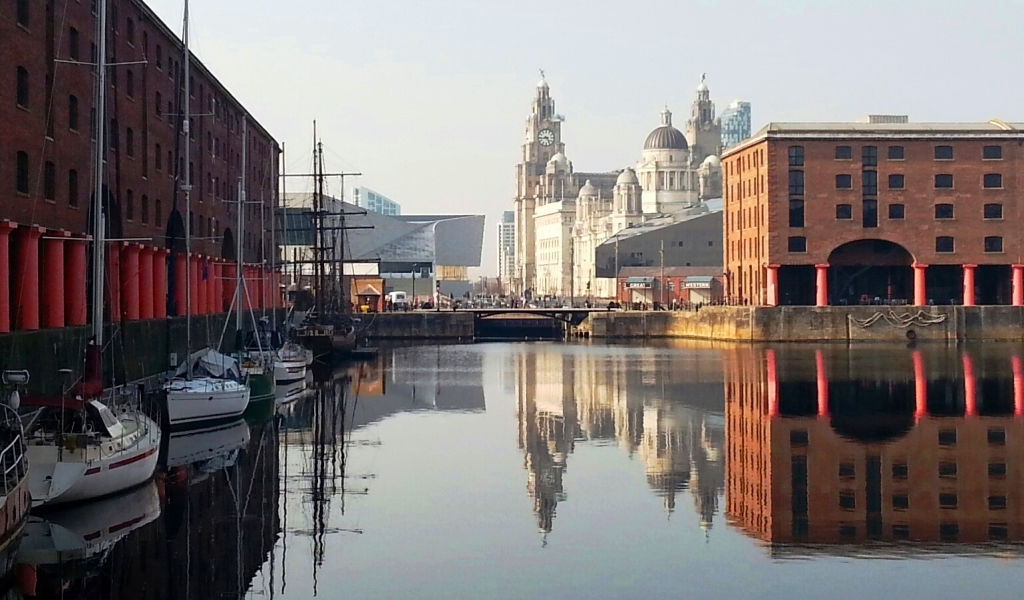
column 428, row 98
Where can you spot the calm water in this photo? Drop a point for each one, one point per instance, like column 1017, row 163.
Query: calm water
column 583, row 471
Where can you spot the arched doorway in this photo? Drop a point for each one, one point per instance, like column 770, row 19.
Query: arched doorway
column 870, row 272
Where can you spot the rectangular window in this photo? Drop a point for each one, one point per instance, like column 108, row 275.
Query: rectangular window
column 993, row 243
column 870, row 179
column 22, row 12
column 796, row 156
column 947, row 500
column 797, row 244
column 73, row 113
column 844, row 211
column 949, row 532
column 21, row 174
column 869, row 214
column 997, row 470
column 947, row 469
column 73, row 44
column 944, row 244
column 992, row 152
column 899, row 471
column 21, row 85
column 901, row 531
column 943, row 153
column 993, row 180
column 997, row 502
column 50, row 181
column 847, row 501
column 72, row 188
column 869, row 156
column 796, row 213
column 998, row 532
column 895, row 152
column 847, row 470
column 796, row 183
column 947, row 437
column 844, row 182
column 844, row 153
column 144, row 208
column 997, row 436
column 896, row 182
column 943, row 211
column 944, row 181
column 158, row 214
column 897, row 211
column 900, row 501
column 129, row 206
column 993, row 211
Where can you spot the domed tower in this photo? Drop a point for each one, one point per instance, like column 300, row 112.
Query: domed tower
column 710, row 175
column 558, row 180
column 703, row 129
column 667, row 180
column 627, row 193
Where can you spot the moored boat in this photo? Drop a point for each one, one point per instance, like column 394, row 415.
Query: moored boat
column 215, row 392
column 16, row 500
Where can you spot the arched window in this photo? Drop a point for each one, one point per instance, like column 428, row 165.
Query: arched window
column 73, row 113
column 159, row 102
column 159, row 158
column 129, row 206
column 129, row 142
column 21, row 86
column 21, row 175
column 129, row 84
column 144, row 208
column 50, row 181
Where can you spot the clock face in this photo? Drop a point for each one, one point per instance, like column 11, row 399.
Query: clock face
column 546, row 137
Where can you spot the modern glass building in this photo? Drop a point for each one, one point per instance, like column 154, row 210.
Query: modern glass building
column 507, row 248
column 735, row 123
column 376, row 202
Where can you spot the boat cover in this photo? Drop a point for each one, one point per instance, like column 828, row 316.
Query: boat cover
column 211, row 363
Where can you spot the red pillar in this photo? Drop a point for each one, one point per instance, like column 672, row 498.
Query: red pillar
column 920, row 287
column 75, row 267
column 1018, row 285
column 6, row 227
column 212, row 286
column 160, row 283
column 970, row 387
column 180, row 283
column 822, row 379
column 26, row 277
column 53, row 279
column 146, row 286
column 193, row 274
column 821, row 285
column 203, row 304
column 228, row 286
column 130, row 281
column 246, row 300
column 773, row 384
column 920, row 387
column 969, row 284
column 217, row 286
column 1018, row 387
column 773, row 285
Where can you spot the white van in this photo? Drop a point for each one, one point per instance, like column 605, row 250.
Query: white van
column 398, row 300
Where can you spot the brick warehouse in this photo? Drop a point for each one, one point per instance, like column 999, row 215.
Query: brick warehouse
column 879, row 212
column 46, row 49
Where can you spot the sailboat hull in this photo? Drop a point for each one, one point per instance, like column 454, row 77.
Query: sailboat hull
column 287, row 372
column 204, row 401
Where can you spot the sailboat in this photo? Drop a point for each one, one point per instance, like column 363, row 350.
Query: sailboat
column 77, row 446
column 209, row 386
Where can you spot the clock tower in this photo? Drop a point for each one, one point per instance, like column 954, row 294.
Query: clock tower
column 533, row 188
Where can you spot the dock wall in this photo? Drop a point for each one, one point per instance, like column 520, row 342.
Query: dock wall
column 442, row 325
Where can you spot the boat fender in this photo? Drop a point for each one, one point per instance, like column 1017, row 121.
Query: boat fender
column 14, row 400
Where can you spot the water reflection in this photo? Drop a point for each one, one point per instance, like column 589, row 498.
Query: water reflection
column 877, row 450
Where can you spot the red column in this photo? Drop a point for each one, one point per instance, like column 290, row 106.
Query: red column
column 146, row 285
column 821, row 297
column 26, row 277
column 112, row 284
column 6, row 227
column 228, row 286
column 1018, row 387
column 75, row 267
column 160, row 283
column 969, row 284
column 212, row 286
column 203, row 304
column 53, row 279
column 180, row 283
column 773, row 285
column 1018, row 285
column 773, row 384
column 193, row 274
column 970, row 387
column 130, row 281
column 822, row 379
column 217, row 286
column 920, row 288
column 246, row 299
column 920, row 387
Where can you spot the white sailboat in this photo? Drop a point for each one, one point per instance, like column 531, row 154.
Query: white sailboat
column 217, row 393
column 77, row 447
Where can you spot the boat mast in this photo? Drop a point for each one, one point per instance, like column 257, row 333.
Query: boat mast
column 98, row 242
column 239, row 281
column 186, row 187
column 318, row 240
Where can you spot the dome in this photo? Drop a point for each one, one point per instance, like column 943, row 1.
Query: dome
column 588, row 189
column 666, row 137
column 702, row 87
column 626, row 177
column 542, row 84
column 712, row 161
column 559, row 158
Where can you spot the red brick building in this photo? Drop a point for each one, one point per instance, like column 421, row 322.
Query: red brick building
column 890, row 213
column 47, row 109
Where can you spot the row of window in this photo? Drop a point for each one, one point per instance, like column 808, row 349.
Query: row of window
column 947, row 470
column 944, row 244
column 896, row 212
column 869, row 154
column 996, row 436
column 848, row 501
column 869, row 180
column 948, row 532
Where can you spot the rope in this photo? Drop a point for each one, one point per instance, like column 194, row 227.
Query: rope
column 921, row 319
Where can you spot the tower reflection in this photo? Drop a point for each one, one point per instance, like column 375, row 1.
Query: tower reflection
column 875, row 450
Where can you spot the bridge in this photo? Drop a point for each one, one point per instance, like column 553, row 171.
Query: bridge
column 570, row 316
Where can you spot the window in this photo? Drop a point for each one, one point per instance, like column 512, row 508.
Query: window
column 869, row 156
column 895, row 153
column 847, row 530
column 50, row 181
column 798, row 244
column 993, row 243
column 844, row 153
column 847, row 470
column 844, row 182
column 944, row 243
column 870, row 186
column 157, row 104
column 947, row 469
column 947, row 437
column 869, row 214
column 997, row 502
column 944, row 182
column 159, row 57
column 21, row 176
column 900, row 502
column 129, row 206
column 901, row 531
column 796, row 156
column 796, row 213
column 943, row 153
column 73, row 113
column 73, row 43
column 992, row 152
column 899, row 471
column 847, row 501
column 159, row 158
column 947, row 500
column 129, row 84
column 72, row 188
column 897, row 211
column 997, row 436
column 948, row 532
column 896, row 182
column 798, row 438
column 844, row 211
column 22, row 12
column 22, row 87
column 997, row 470
column 796, row 183
column 129, row 32
column 157, row 213
column 998, row 531
column 993, row 211
column 993, row 180
column 129, row 142
column 943, row 211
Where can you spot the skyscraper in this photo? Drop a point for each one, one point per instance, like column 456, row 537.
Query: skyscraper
column 507, row 249
column 735, row 123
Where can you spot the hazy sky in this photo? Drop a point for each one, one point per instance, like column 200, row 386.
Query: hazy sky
column 428, row 98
